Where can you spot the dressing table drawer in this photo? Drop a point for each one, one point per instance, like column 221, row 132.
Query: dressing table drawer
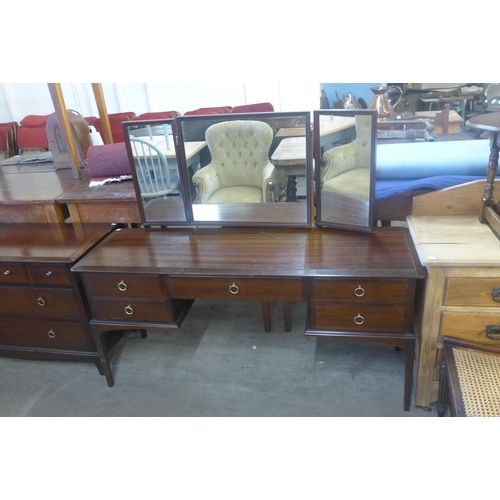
column 475, row 292
column 39, row 302
column 44, row 334
column 364, row 318
column 361, row 290
column 132, row 310
column 237, row 288
column 125, row 285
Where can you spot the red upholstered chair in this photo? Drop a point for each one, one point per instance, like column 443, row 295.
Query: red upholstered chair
column 115, row 123
column 253, row 108
column 220, row 110
column 31, row 135
column 8, row 139
column 157, row 115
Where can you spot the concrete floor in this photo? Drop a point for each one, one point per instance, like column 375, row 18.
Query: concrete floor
column 219, row 363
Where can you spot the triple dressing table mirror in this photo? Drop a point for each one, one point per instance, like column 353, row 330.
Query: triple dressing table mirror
column 344, row 156
column 254, row 170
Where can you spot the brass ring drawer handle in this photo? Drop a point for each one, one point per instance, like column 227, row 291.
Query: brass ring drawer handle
column 358, row 319
column 40, row 301
column 495, row 294
column 129, row 310
column 6, row 272
column 359, row 291
column 51, row 334
column 122, row 286
column 234, row 289
column 493, row 332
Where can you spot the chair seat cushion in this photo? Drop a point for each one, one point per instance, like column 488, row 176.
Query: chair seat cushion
column 237, row 194
column 353, row 183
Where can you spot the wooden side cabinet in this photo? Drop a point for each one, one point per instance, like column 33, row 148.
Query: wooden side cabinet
column 43, row 311
column 461, row 295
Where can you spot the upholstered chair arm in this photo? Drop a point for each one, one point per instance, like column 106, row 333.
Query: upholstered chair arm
column 269, row 184
column 207, row 182
column 339, row 160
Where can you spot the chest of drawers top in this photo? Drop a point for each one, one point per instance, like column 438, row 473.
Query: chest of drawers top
column 44, row 243
column 253, row 252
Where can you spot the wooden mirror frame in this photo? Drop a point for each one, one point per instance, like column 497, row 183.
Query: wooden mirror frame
column 284, row 213
column 172, row 209
column 345, row 211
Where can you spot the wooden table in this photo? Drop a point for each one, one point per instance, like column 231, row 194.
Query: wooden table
column 289, row 159
column 113, row 202
column 31, row 196
column 356, row 285
column 462, row 257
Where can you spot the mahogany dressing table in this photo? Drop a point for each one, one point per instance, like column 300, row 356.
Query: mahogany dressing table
column 358, row 285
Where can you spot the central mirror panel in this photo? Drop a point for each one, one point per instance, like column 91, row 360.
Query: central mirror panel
column 253, row 170
column 344, row 158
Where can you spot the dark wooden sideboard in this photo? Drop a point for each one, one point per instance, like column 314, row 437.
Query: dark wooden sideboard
column 359, row 285
column 43, row 312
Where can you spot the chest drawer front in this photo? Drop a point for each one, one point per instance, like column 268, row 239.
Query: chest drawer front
column 46, row 334
column 50, row 274
column 351, row 317
column 479, row 327
column 237, row 288
column 13, row 273
column 132, row 310
column 473, row 292
column 362, row 291
column 125, row 285
column 38, row 302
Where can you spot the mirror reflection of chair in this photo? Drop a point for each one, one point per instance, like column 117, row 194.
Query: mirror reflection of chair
column 240, row 170
column 347, row 167
column 156, row 177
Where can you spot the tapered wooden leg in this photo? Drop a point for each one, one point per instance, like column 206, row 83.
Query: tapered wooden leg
column 266, row 313
column 287, row 315
column 97, row 332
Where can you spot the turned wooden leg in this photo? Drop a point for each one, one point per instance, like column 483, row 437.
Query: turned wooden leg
column 491, row 172
column 443, row 392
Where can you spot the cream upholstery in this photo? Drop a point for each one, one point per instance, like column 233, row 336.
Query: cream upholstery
column 240, row 170
column 347, row 169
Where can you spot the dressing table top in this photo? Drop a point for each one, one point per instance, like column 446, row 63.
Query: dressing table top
column 307, row 252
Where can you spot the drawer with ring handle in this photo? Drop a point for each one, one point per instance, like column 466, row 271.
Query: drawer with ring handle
column 150, row 311
column 42, row 333
column 39, row 302
column 364, row 291
column 125, row 285
column 350, row 317
column 237, row 288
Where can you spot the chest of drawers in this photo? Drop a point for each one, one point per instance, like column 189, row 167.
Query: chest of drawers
column 355, row 284
column 43, row 311
column 460, row 297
